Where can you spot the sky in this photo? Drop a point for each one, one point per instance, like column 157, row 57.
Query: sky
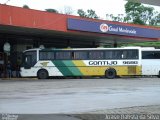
column 102, row 7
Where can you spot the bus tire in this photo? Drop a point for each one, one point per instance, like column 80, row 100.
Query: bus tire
column 42, row 74
column 110, row 73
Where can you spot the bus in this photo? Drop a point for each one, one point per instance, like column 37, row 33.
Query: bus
column 103, row 62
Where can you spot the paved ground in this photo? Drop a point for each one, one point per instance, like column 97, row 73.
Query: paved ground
column 76, row 96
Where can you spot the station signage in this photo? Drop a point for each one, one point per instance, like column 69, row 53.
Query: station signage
column 119, row 29
column 107, row 28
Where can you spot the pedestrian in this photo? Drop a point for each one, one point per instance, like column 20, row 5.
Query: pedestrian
column 1, row 70
column 1, row 65
column 18, row 67
column 9, row 69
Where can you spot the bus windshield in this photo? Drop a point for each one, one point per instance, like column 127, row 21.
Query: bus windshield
column 29, row 59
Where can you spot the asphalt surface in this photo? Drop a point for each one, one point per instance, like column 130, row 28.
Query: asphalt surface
column 76, row 96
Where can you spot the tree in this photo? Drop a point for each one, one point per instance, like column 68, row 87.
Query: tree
column 139, row 14
column 52, row 10
column 89, row 14
column 118, row 18
column 26, row 6
column 156, row 20
column 81, row 13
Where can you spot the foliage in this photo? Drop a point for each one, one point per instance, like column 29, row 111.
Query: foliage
column 139, row 14
column 118, row 18
column 89, row 14
column 81, row 13
column 156, row 20
column 52, row 10
column 144, row 44
column 26, row 6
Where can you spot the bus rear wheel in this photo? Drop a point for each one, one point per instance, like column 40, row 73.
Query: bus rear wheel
column 42, row 74
column 110, row 73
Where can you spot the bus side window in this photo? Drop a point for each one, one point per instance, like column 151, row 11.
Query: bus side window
column 80, row 55
column 63, row 55
column 96, row 55
column 132, row 54
column 157, row 54
column 150, row 54
column 147, row 55
column 108, row 54
column 46, row 55
column 117, row 54
column 135, row 54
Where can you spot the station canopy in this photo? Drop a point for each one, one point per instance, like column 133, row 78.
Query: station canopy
column 25, row 25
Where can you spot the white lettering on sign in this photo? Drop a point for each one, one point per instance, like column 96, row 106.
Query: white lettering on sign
column 105, row 28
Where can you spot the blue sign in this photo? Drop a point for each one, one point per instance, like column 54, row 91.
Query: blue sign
column 107, row 28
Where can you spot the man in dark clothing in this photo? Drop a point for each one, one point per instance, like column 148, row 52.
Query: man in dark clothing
column 9, row 69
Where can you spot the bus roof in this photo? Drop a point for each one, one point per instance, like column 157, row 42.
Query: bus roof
column 51, row 49
column 34, row 49
column 93, row 48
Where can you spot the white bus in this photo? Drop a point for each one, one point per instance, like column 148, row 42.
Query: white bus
column 108, row 62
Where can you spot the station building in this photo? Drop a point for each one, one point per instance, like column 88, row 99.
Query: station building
column 22, row 29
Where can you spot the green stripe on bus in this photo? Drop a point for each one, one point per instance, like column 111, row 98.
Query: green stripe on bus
column 67, row 68
column 62, row 68
column 74, row 69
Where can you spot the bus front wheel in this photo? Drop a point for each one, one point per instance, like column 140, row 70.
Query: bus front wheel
column 110, row 73
column 42, row 74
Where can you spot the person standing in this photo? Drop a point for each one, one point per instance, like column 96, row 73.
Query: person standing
column 18, row 67
column 1, row 70
column 1, row 64
column 9, row 69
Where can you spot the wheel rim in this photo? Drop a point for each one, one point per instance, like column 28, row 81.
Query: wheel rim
column 42, row 75
column 110, row 73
